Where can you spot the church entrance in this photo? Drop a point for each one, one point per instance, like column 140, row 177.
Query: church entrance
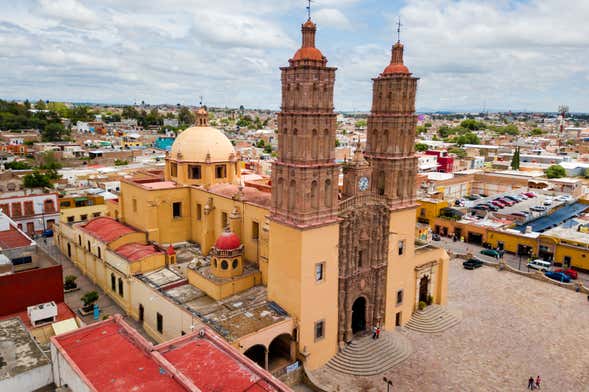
column 359, row 315
column 423, row 289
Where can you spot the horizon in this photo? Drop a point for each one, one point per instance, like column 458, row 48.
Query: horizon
column 471, row 56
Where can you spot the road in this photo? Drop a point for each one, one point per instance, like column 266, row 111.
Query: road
column 510, row 259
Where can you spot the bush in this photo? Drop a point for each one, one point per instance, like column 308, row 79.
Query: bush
column 422, row 305
column 555, row 171
column 70, row 282
column 430, row 300
column 89, row 298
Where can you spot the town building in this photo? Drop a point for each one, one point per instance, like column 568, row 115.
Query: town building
column 32, row 212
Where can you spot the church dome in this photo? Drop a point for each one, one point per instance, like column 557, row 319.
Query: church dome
column 202, row 144
column 228, row 241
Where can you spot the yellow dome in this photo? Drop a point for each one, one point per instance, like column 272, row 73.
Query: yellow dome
column 202, row 144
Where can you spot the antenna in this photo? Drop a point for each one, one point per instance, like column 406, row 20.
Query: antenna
column 201, row 100
column 309, row 9
column 399, row 29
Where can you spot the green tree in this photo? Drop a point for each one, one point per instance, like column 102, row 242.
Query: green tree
column 260, row 143
column 515, row 159
column 53, row 132
column 17, row 165
column 268, row 149
column 472, row 124
column 536, row 132
column 361, row 123
column 459, row 152
column 555, row 171
column 445, row 131
column 40, row 105
column 129, row 112
column 185, row 116
column 37, row 180
column 467, row 138
column 421, row 147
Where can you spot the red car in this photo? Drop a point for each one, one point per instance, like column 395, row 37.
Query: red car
column 571, row 273
column 530, row 194
column 498, row 204
column 507, row 202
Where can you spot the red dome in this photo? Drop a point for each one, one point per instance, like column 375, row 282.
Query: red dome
column 227, row 241
column 396, row 69
column 308, row 54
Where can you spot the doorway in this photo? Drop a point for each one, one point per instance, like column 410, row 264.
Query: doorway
column 423, row 289
column 359, row 315
column 141, row 313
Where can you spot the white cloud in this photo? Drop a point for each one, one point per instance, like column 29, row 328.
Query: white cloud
column 71, row 10
column 332, row 17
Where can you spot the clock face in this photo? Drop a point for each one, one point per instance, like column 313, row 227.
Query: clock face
column 363, row 183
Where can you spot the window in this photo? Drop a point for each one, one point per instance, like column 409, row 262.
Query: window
column 113, row 282
column 401, row 247
column 177, row 209
column 134, row 205
column 89, row 247
column 422, row 212
column 360, row 258
column 141, row 312
column 235, row 263
column 80, row 240
column 83, row 217
column 29, row 210
column 198, row 211
column 70, row 218
column 319, row 271
column 220, row 171
column 173, row 170
column 195, row 172
column 255, row 230
column 224, row 264
column 398, row 319
column 160, row 323
column 223, row 220
column 16, row 210
column 121, row 287
column 65, row 204
column 96, row 214
column 319, row 330
column 99, row 253
column 399, row 297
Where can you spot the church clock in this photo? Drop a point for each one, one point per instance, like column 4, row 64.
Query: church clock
column 363, row 184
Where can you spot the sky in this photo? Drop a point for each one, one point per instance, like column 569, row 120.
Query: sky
column 469, row 54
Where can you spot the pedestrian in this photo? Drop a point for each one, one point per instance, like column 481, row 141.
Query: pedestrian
column 377, row 332
column 374, row 332
column 531, row 383
column 538, row 381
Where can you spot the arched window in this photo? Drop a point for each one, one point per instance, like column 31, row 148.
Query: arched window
column 328, row 193
column 121, row 287
column 314, row 145
column 279, row 192
column 113, row 282
column 293, row 144
column 99, row 253
column 215, row 262
column 292, row 189
column 235, row 263
column 224, row 264
column 314, row 196
column 326, row 146
column 380, row 183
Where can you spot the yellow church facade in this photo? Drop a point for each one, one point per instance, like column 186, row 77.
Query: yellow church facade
column 326, row 264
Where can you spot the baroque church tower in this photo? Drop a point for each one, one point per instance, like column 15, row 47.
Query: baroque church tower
column 391, row 133
column 304, row 223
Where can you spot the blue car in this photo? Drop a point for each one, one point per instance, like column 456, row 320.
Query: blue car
column 559, row 276
column 47, row 233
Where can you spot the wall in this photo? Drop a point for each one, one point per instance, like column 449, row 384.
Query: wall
column 28, row 381
column 64, row 374
column 30, row 288
column 77, row 212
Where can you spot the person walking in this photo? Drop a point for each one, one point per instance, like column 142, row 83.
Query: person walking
column 538, row 381
column 374, row 332
column 531, row 383
column 377, row 332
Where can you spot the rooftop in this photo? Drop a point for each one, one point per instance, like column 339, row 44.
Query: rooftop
column 249, row 194
column 18, row 351
column 106, row 229
column 135, row 251
column 13, row 238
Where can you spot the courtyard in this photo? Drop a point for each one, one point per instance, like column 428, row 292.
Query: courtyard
column 512, row 328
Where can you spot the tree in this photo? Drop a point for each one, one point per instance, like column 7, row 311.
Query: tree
column 536, row 132
column 129, row 112
column 421, row 147
column 260, row 143
column 37, row 180
column 555, row 171
column 515, row 159
column 185, row 116
column 361, row 124
column 17, row 165
column 473, row 125
column 445, row 131
column 53, row 132
column 268, row 149
column 40, row 105
column 89, row 299
column 467, row 138
column 459, row 152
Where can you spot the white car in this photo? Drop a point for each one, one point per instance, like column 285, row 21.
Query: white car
column 548, row 201
column 564, row 198
column 539, row 265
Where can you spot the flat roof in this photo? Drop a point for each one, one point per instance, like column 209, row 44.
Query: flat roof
column 18, row 350
column 559, row 216
column 135, row 251
column 160, row 185
column 106, row 229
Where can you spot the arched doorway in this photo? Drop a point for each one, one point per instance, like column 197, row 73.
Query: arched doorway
column 257, row 353
column 359, row 315
column 279, row 352
column 423, row 289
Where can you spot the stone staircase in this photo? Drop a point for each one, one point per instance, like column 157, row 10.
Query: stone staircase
column 433, row 319
column 366, row 356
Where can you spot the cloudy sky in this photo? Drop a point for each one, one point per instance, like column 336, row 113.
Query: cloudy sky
column 470, row 55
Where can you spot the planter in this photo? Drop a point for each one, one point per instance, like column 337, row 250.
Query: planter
column 71, row 290
column 86, row 310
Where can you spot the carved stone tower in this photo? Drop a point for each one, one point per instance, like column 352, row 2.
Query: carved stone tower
column 305, row 175
column 391, row 133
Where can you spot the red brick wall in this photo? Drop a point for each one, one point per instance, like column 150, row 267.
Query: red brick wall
column 28, row 288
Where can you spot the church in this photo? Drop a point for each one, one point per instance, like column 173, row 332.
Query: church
column 327, row 262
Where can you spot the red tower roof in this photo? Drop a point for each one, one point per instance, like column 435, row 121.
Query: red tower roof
column 308, row 51
column 171, row 250
column 396, row 66
column 228, row 241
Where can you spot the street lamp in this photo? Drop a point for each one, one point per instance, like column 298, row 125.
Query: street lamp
column 388, row 382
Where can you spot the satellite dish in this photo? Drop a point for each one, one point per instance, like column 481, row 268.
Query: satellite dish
column 201, row 333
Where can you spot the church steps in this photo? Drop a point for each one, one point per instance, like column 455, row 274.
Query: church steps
column 433, row 319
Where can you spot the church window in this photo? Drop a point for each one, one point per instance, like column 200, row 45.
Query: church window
column 113, row 282
column 173, row 170
column 177, row 209
column 292, row 189
column 328, row 193
column 224, row 264
column 83, row 217
column 399, row 297
column 360, row 258
column 199, row 211
column 255, row 230
column 319, row 330
column 314, row 196
column 70, row 218
column 215, row 262
column 235, row 263
column 134, row 205
column 160, row 323
column 314, row 145
column 121, row 287
column 195, row 172
column 279, row 191
column 380, row 183
column 80, row 240
column 99, row 252
column 89, row 247
column 220, row 171
column 319, row 272
column 224, row 222
column 401, row 247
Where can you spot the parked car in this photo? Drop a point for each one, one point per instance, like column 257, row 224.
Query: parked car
column 47, row 233
column 497, row 204
column 514, row 199
column 538, row 208
column 524, row 196
column 571, row 273
column 540, row 265
column 548, row 201
column 492, row 207
column 564, row 198
column 507, row 202
column 483, row 207
column 472, row 263
column 521, row 215
column 435, row 237
column 530, row 194
column 559, row 276
column 490, row 252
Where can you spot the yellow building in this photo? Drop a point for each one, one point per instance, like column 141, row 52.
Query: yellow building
column 291, row 274
column 80, row 208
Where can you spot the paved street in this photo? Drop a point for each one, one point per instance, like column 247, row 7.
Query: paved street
column 511, row 259
column 512, row 328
